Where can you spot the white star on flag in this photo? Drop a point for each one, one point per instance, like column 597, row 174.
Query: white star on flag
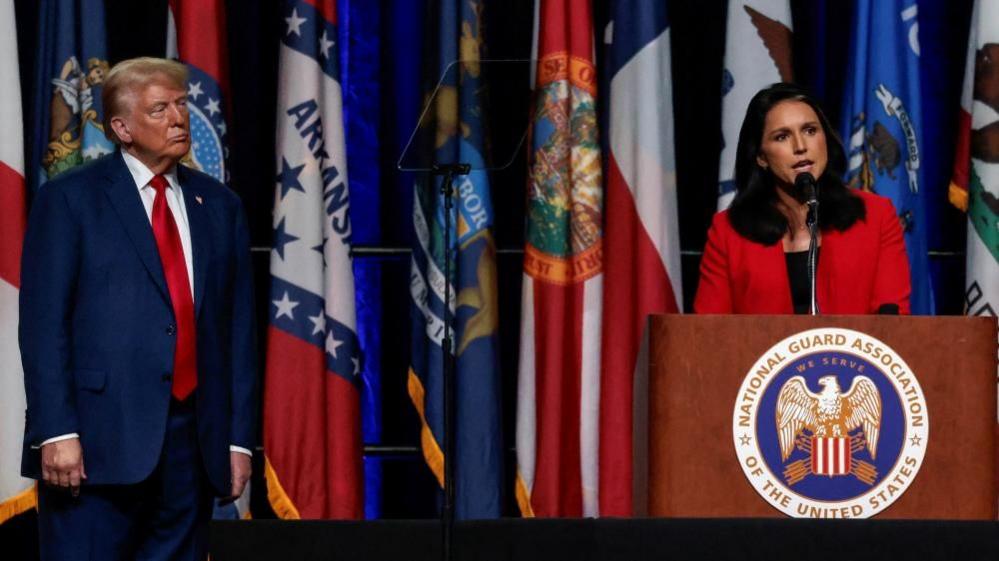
column 319, row 322
column 212, row 107
column 325, row 44
column 285, row 306
column 332, row 344
column 222, row 128
column 295, row 23
column 194, row 90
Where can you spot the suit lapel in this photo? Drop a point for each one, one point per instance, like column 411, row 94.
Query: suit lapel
column 199, row 220
column 124, row 196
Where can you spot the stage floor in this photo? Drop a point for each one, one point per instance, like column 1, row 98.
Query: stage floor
column 607, row 539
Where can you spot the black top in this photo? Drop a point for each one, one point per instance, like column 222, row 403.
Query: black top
column 797, row 275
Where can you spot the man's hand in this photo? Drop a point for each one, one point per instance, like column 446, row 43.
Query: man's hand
column 241, row 470
column 62, row 465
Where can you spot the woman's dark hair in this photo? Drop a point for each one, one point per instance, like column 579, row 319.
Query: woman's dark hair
column 753, row 213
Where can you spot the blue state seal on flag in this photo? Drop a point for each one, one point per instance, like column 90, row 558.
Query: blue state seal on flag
column 830, row 423
column 208, row 129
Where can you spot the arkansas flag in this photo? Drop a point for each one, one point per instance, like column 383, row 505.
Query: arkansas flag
column 641, row 233
column 312, row 437
column 558, row 395
column 17, row 494
column 196, row 36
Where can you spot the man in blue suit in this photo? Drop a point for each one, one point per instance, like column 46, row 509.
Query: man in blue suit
column 137, row 337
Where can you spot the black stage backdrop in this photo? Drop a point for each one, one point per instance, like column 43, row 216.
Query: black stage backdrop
column 698, row 29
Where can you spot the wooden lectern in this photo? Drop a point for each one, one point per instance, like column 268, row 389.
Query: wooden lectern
column 697, row 365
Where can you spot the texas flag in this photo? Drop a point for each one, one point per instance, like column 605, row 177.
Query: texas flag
column 641, row 234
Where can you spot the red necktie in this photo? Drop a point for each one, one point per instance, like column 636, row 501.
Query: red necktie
column 185, row 367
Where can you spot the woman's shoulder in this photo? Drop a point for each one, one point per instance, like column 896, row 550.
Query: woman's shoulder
column 721, row 220
column 874, row 203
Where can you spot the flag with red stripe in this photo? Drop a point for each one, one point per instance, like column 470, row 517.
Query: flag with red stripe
column 641, row 233
column 558, row 399
column 16, row 492
column 196, row 36
column 831, row 455
column 312, row 436
column 975, row 183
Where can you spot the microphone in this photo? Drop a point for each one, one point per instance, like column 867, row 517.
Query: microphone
column 888, row 309
column 805, row 183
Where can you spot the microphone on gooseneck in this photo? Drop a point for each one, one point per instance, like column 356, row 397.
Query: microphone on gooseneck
column 805, row 182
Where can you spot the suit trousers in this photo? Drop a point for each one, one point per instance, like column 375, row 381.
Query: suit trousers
column 165, row 517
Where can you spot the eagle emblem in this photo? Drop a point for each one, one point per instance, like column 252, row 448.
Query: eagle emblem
column 824, row 426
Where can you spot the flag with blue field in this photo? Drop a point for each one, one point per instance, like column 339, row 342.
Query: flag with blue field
column 458, row 135
column 882, row 125
column 71, row 67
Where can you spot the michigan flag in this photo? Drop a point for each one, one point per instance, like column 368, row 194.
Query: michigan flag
column 882, row 115
column 312, row 437
column 457, row 135
column 71, row 66
column 975, row 184
column 17, row 494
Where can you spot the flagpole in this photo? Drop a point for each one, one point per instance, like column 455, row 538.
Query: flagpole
column 447, row 172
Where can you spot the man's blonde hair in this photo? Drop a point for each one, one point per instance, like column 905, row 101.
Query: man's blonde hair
column 127, row 77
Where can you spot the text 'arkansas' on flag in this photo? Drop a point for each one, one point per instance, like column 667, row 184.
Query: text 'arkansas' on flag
column 312, row 438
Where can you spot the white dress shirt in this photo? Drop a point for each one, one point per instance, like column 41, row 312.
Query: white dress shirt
column 175, row 201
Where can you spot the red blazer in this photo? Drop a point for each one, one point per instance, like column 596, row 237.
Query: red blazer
column 859, row 269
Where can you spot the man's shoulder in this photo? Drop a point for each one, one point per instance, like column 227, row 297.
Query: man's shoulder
column 85, row 175
column 206, row 185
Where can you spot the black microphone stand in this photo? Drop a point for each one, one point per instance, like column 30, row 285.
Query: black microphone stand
column 448, row 171
column 812, row 220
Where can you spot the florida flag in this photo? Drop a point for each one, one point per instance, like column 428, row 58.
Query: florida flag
column 641, row 234
column 558, row 394
column 312, row 438
column 16, row 493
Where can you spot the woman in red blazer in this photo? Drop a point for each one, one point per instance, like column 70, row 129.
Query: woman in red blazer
column 754, row 259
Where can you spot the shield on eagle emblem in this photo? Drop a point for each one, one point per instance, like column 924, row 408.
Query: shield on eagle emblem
column 829, row 426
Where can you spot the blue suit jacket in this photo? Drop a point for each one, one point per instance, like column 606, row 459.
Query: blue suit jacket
column 96, row 324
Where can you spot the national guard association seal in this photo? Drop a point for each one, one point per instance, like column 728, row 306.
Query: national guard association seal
column 830, row 423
